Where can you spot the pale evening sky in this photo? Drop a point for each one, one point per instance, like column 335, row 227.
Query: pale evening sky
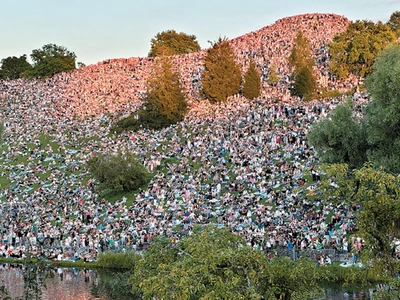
column 98, row 29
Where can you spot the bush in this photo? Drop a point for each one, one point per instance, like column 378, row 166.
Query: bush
column 122, row 172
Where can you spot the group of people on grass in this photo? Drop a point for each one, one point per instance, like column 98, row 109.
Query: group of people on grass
column 243, row 164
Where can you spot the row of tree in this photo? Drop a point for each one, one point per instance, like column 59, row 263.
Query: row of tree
column 47, row 61
column 165, row 102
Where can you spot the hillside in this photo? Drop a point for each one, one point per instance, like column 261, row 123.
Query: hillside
column 116, row 85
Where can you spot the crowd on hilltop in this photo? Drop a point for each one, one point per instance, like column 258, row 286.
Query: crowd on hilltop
column 239, row 164
column 117, row 86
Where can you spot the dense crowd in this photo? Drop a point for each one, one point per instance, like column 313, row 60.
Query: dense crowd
column 240, row 164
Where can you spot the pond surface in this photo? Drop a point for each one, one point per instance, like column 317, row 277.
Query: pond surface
column 77, row 284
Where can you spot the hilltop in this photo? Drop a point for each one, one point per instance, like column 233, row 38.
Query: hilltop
column 117, row 85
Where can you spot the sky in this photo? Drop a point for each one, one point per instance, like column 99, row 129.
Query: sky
column 96, row 30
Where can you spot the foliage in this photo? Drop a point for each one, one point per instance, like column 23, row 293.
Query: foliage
column 383, row 113
column 122, row 260
column 301, row 60
column 394, row 22
column 288, row 279
column 210, row 264
column 121, row 172
column 213, row 263
column 301, row 53
column 252, row 82
column 13, row 67
column 273, row 77
column 49, row 60
column 113, row 286
column 170, row 42
column 355, row 50
column 376, row 137
column 164, row 104
column 221, row 77
column 378, row 219
column 340, row 138
column 304, row 83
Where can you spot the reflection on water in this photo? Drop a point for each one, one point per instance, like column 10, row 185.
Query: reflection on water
column 66, row 284
column 76, row 284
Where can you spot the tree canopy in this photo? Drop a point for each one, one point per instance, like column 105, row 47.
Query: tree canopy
column 121, row 172
column 170, row 42
column 13, row 67
column 354, row 50
column 221, row 77
column 340, row 138
column 51, row 59
column 394, row 22
column 375, row 137
column 164, row 104
column 302, row 61
column 376, row 193
column 214, row 263
column 252, row 82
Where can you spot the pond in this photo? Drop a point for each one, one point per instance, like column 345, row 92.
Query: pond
column 80, row 284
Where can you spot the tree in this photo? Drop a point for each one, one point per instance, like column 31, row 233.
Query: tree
column 378, row 217
column 302, row 61
column 51, row 59
column 382, row 115
column 121, row 172
column 273, row 77
column 170, row 42
column 164, row 104
column 213, row 263
column 394, row 22
column 340, row 138
column 210, row 264
column 354, row 50
column 252, row 82
column 13, row 67
column 221, row 77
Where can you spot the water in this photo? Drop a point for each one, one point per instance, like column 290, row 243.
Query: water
column 77, row 284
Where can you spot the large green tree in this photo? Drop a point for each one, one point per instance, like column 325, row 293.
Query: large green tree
column 170, row 42
column 221, row 77
column 51, row 59
column 121, row 172
column 354, row 50
column 340, row 138
column 377, row 194
column 214, row 263
column 252, row 82
column 376, row 136
column 302, row 62
column 13, row 67
column 383, row 113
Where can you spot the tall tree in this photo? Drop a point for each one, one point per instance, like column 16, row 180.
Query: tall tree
column 170, row 42
column 221, row 77
column 382, row 115
column 51, row 59
column 340, row 138
column 252, row 82
column 13, row 67
column 164, row 104
column 354, row 50
column 302, row 61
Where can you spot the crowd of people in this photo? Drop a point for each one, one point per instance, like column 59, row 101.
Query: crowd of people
column 241, row 164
